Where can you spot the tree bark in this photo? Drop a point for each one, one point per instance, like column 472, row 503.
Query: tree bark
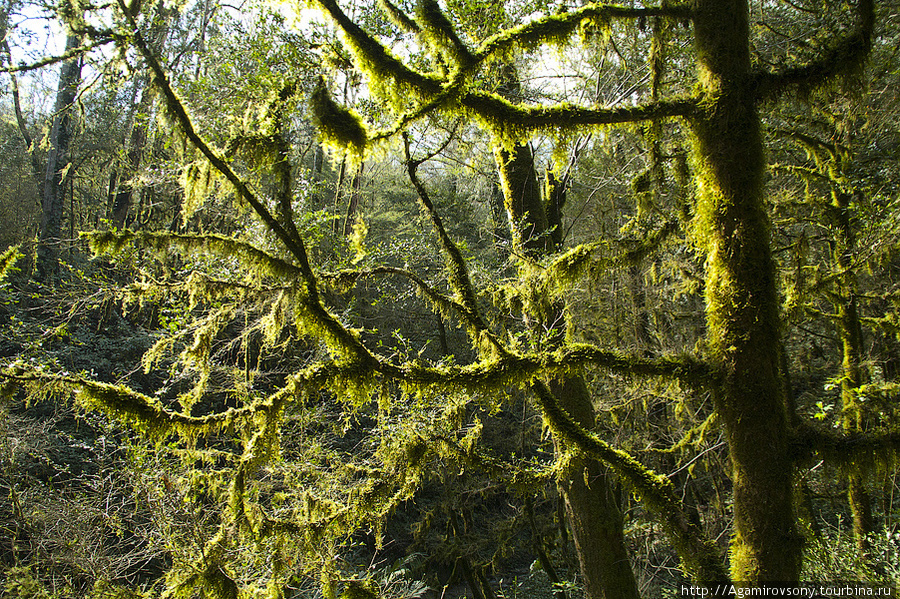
column 742, row 303
column 57, row 165
column 593, row 508
column 589, row 492
column 851, row 365
column 137, row 140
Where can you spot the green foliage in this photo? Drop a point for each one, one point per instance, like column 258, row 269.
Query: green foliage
column 8, row 262
column 835, row 557
column 295, row 394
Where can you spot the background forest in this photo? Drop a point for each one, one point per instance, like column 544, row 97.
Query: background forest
column 524, row 299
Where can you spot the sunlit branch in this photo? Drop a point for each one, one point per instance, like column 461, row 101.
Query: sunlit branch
column 433, row 93
column 502, row 113
column 146, row 413
column 380, row 62
column 451, row 89
column 175, row 106
column 556, row 27
column 399, row 18
column 50, row 60
column 211, row 287
column 340, row 339
column 512, row 369
column 110, row 242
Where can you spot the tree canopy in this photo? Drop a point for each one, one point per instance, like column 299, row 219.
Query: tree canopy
column 418, row 264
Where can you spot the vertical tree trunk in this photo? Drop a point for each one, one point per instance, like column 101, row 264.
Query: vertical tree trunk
column 851, row 365
column 316, row 200
column 592, row 508
column 353, row 201
column 57, row 165
column 137, row 140
column 122, row 200
column 742, row 303
column 37, row 167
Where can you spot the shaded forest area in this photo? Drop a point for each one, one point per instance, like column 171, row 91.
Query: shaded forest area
column 443, row 299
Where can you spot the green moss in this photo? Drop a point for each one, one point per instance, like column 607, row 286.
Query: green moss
column 440, row 33
column 390, row 79
column 699, row 555
column 339, row 126
column 359, row 589
column 8, row 261
column 254, row 259
column 398, row 17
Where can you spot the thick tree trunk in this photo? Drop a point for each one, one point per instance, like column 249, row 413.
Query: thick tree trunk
column 57, row 165
column 742, row 303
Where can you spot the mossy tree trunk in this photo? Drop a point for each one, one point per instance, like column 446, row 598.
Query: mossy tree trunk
column 593, row 508
column 589, row 490
column 742, row 303
column 58, row 165
column 851, row 362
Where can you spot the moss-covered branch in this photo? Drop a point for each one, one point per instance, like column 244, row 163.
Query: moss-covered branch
column 513, row 369
column 145, row 414
column 559, row 27
column 179, row 112
column 698, row 554
column 440, row 301
column 513, row 119
column 686, row 369
column 435, row 26
column 376, row 60
column 398, row 17
column 458, row 272
column 395, row 81
column 860, row 451
column 255, row 260
column 843, row 56
column 567, row 267
column 50, row 60
column 340, row 340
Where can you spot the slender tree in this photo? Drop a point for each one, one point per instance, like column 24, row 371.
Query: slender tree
column 58, row 163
